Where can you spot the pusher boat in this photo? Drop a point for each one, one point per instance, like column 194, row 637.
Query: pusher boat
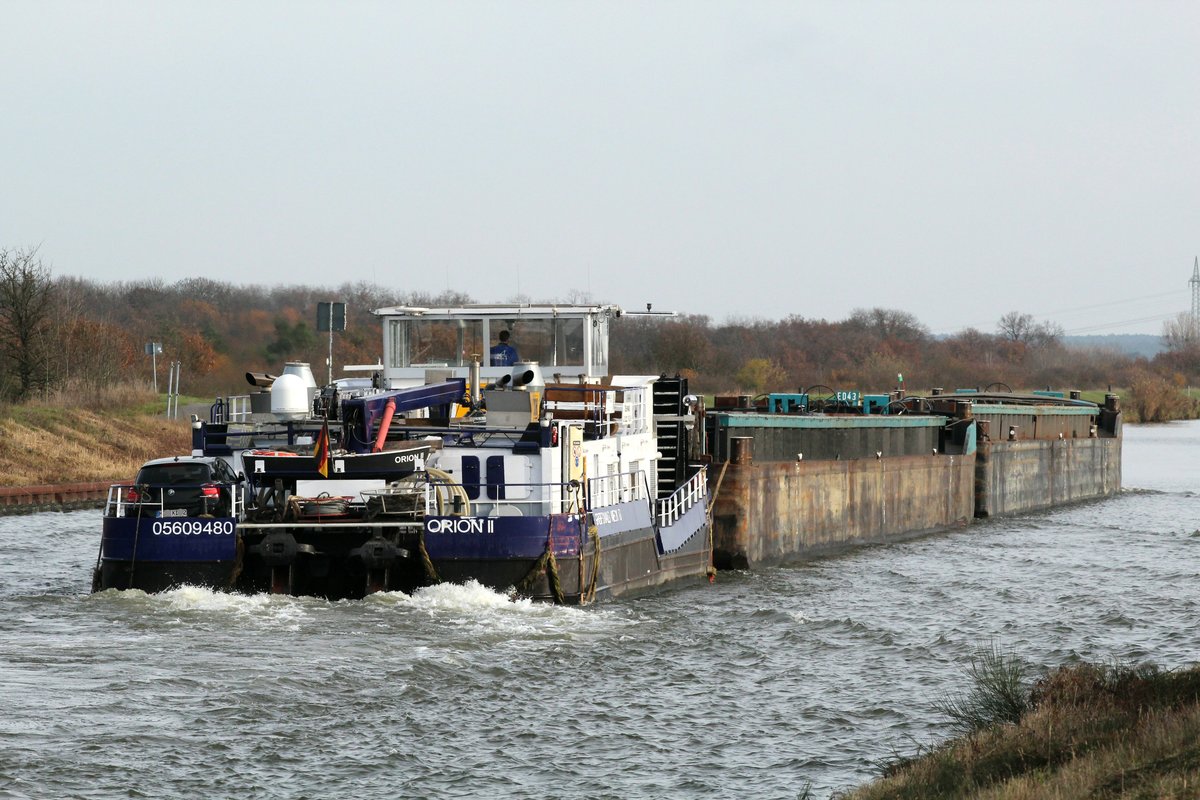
column 547, row 478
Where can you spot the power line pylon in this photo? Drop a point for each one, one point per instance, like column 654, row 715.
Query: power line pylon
column 1195, row 284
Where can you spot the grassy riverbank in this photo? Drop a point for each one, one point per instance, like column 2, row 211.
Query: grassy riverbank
column 1081, row 731
column 99, row 438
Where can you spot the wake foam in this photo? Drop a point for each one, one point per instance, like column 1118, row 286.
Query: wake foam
column 472, row 605
column 274, row 609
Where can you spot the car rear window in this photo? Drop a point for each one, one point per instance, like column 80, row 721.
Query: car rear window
column 174, row 474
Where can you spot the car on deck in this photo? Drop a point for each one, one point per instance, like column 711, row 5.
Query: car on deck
column 187, row 486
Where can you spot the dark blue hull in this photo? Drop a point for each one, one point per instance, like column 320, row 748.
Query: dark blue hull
column 565, row 558
column 155, row 554
column 613, row 553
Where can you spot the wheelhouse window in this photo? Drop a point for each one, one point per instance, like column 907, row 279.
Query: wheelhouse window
column 436, row 342
column 554, row 342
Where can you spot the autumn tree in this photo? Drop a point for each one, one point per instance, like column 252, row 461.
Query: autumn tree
column 1181, row 338
column 758, row 375
column 682, row 344
column 291, row 340
column 889, row 323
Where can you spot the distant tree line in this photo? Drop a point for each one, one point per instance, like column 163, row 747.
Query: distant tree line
column 871, row 349
column 72, row 334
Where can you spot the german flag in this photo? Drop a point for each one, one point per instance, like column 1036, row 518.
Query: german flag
column 321, row 450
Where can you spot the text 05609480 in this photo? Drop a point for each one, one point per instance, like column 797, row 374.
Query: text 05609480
column 194, row 527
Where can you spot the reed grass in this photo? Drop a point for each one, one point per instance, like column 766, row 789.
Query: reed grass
column 1000, row 693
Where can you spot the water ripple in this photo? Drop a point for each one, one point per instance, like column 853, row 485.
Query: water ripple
column 750, row 688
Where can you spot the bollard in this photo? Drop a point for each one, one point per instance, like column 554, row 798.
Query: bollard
column 741, row 450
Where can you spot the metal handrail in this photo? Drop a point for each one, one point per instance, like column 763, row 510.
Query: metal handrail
column 543, row 498
column 234, row 408
column 670, row 509
column 116, row 504
column 622, row 487
column 598, row 406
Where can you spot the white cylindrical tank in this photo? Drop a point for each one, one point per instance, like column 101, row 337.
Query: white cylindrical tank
column 289, row 397
column 301, row 370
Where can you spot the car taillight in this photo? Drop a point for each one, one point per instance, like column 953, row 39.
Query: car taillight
column 132, row 495
column 208, row 490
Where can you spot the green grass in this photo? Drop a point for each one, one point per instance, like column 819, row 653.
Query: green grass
column 159, row 406
column 1097, row 395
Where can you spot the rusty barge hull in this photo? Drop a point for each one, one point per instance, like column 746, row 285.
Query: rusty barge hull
column 801, row 486
column 1031, row 459
column 873, row 479
column 1016, row 477
column 774, row 513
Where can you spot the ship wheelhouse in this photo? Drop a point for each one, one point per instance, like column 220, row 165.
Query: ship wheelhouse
column 568, row 342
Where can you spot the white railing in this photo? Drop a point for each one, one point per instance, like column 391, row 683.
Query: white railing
column 235, row 408
column 670, row 509
column 614, row 489
column 536, row 498
column 599, row 406
column 149, row 501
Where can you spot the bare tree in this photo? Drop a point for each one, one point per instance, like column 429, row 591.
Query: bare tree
column 1182, row 333
column 1015, row 326
column 889, row 323
column 1046, row 334
column 26, row 299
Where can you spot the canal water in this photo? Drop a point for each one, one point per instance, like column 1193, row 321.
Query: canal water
column 752, row 687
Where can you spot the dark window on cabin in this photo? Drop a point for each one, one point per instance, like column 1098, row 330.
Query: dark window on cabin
column 495, row 477
column 470, row 478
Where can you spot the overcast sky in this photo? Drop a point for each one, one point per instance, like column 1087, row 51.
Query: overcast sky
column 955, row 160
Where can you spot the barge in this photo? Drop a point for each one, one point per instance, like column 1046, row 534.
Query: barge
column 879, row 468
column 552, row 479
column 1042, row 450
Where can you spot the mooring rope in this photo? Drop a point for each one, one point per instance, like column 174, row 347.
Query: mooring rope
column 430, row 571
column 712, row 504
column 552, row 575
column 239, row 555
column 526, row 583
column 547, row 563
column 99, row 557
column 552, row 565
column 137, row 531
column 590, row 595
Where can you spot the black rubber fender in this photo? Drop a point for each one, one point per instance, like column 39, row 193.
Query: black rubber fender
column 377, row 553
column 277, row 549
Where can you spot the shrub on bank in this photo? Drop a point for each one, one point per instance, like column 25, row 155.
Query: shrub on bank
column 1153, row 398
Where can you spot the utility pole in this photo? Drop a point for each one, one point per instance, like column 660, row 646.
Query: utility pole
column 331, row 317
column 154, row 350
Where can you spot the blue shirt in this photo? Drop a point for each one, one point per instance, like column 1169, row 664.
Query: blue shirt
column 503, row 355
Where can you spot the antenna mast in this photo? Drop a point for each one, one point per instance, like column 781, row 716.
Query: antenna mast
column 1195, row 284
